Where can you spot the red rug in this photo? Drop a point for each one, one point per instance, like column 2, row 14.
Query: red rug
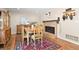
column 46, row 45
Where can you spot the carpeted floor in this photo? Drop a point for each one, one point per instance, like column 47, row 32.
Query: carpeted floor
column 46, row 45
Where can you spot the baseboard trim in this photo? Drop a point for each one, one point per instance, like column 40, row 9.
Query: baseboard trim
column 68, row 40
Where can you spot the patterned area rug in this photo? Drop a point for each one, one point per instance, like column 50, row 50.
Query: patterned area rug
column 46, row 45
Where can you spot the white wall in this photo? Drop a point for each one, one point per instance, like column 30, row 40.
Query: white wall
column 16, row 16
column 68, row 26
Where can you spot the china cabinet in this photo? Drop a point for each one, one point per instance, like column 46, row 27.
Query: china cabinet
column 5, row 30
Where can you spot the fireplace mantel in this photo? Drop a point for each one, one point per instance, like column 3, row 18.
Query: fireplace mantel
column 53, row 20
column 50, row 21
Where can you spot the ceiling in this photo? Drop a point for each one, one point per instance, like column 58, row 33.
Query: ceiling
column 36, row 11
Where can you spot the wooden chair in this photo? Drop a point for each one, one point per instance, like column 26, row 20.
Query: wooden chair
column 25, row 33
column 38, row 33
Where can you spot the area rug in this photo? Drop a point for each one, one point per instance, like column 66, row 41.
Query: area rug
column 46, row 45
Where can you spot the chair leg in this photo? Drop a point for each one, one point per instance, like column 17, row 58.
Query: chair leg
column 34, row 44
column 41, row 42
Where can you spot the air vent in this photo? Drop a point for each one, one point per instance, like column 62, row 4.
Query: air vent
column 71, row 37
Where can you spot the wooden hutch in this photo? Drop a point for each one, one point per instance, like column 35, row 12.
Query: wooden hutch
column 5, row 30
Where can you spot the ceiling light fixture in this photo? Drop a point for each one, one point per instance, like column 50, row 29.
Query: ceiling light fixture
column 68, row 13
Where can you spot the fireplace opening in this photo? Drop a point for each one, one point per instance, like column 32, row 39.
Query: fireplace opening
column 50, row 29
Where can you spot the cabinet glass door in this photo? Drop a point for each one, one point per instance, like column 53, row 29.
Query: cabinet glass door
column 1, row 24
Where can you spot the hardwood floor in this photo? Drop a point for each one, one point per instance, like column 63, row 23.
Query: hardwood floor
column 65, row 45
